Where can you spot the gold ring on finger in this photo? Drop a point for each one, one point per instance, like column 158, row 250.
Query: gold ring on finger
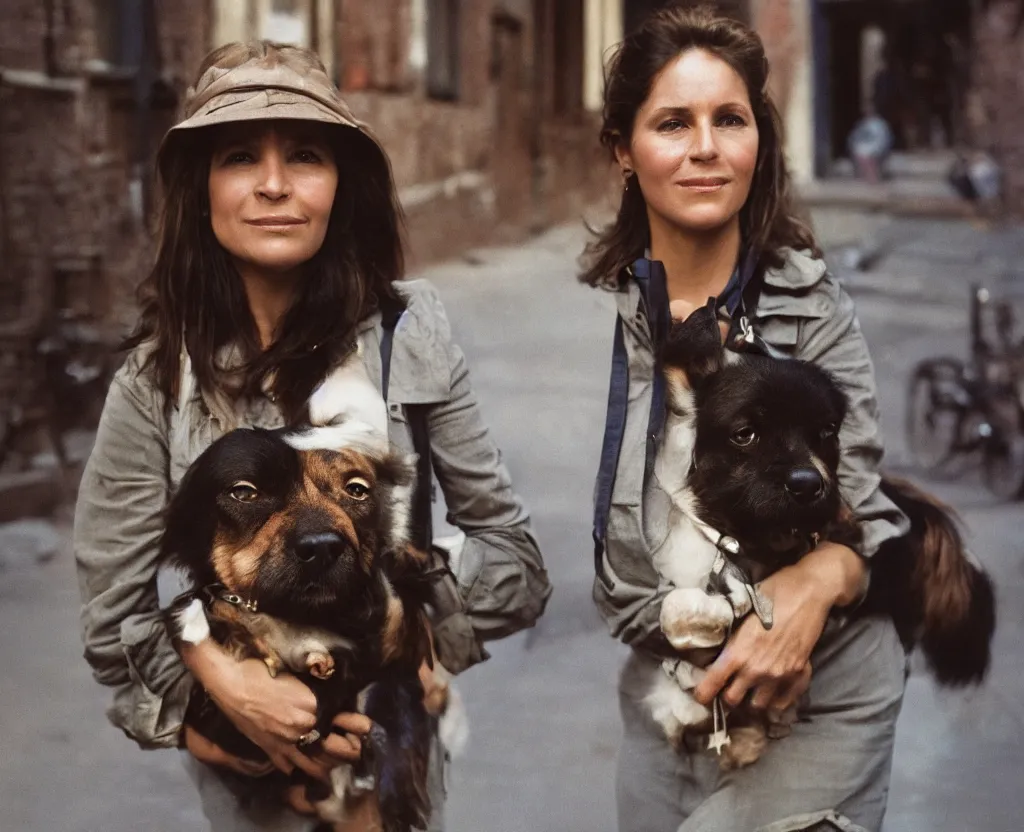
column 308, row 739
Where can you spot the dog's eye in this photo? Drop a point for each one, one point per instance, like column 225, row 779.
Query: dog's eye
column 744, row 436
column 829, row 432
column 244, row 492
column 358, row 487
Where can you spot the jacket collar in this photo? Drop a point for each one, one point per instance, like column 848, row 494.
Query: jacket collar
column 789, row 293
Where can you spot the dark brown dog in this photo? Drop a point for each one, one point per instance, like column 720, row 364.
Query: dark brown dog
column 301, row 559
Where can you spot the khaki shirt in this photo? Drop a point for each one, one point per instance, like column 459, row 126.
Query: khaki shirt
column 804, row 313
column 143, row 449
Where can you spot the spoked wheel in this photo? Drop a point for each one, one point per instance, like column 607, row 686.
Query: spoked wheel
column 938, row 404
column 1002, row 462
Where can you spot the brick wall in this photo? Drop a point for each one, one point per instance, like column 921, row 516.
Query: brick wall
column 70, row 226
column 996, row 112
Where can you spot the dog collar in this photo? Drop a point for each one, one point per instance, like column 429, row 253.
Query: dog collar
column 731, row 580
column 219, row 592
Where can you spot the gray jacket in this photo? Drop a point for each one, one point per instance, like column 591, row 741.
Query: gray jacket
column 806, row 314
column 143, row 449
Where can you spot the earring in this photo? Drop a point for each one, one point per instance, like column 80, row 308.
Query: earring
column 627, row 173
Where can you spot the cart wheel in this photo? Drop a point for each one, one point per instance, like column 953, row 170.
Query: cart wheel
column 938, row 406
column 1002, row 462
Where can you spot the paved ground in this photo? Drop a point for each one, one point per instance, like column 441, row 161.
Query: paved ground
column 545, row 727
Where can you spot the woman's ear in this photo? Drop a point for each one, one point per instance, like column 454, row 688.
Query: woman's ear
column 624, row 157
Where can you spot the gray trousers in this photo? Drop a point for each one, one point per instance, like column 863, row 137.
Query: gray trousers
column 231, row 804
column 831, row 773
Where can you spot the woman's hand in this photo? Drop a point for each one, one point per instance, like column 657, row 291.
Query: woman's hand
column 272, row 712
column 775, row 663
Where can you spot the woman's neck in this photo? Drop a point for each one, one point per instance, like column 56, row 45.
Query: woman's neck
column 270, row 296
column 697, row 265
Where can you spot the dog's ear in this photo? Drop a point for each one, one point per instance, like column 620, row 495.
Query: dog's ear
column 188, row 527
column 396, row 475
column 693, row 347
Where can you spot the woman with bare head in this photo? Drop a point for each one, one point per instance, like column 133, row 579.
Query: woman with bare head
column 279, row 262
column 705, row 214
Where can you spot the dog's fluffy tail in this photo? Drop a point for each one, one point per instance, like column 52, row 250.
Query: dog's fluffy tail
column 938, row 595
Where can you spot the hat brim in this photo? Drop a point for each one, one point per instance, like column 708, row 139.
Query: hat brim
column 261, row 105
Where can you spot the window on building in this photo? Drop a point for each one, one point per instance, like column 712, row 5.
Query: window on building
column 118, row 32
column 559, row 59
column 443, row 49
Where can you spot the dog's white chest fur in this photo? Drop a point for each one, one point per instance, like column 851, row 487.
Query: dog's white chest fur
column 685, row 557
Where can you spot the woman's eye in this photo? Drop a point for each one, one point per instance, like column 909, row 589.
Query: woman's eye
column 306, row 156
column 732, row 120
column 357, row 488
column 243, row 492
column 238, row 157
column 670, row 125
column 744, row 436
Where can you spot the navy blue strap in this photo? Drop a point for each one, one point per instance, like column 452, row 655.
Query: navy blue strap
column 387, row 337
column 614, row 430
column 740, row 295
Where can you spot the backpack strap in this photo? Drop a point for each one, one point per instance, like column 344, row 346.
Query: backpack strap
column 416, row 414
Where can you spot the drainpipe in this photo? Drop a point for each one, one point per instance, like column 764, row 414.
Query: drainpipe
column 49, row 45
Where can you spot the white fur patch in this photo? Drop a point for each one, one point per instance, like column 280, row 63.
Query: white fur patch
column 347, row 394
column 691, row 618
column 401, row 510
column 192, row 622
column 345, row 411
column 453, row 727
column 351, row 434
column 670, row 706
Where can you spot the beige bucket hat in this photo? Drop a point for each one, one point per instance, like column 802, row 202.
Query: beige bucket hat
column 274, row 82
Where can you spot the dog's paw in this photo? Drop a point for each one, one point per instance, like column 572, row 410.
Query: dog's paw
column 320, row 665
column 746, row 745
column 780, row 723
column 691, row 618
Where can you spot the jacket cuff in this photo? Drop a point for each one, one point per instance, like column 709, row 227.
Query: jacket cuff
column 150, row 708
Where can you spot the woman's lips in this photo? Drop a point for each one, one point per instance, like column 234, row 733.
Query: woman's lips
column 275, row 222
column 704, row 184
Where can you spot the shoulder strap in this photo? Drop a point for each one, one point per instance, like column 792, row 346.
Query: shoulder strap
column 614, row 430
column 416, row 414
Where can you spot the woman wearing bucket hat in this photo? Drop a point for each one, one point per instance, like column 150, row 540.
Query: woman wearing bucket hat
column 279, row 259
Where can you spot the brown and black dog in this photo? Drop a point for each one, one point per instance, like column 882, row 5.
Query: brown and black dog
column 301, row 558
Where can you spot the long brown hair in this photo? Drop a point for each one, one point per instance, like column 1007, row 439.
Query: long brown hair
column 767, row 220
column 194, row 298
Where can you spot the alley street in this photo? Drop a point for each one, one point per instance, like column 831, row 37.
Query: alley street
column 544, row 722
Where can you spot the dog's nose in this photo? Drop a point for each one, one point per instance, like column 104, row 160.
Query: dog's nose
column 804, row 484
column 325, row 546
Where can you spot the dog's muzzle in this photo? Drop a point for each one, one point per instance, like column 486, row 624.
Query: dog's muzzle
column 325, row 547
column 805, row 485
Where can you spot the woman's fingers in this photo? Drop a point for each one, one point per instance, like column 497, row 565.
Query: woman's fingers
column 342, row 748
column 728, row 663
column 788, row 694
column 312, row 767
column 208, row 752
column 353, row 723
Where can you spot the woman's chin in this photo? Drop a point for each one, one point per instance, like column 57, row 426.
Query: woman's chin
column 274, row 260
column 704, row 220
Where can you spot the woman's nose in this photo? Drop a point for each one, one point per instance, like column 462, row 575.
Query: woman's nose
column 704, row 146
column 273, row 180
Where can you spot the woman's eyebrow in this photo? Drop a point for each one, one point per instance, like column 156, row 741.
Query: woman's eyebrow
column 672, row 110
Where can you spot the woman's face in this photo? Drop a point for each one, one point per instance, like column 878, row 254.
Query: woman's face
column 694, row 144
column 272, row 186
